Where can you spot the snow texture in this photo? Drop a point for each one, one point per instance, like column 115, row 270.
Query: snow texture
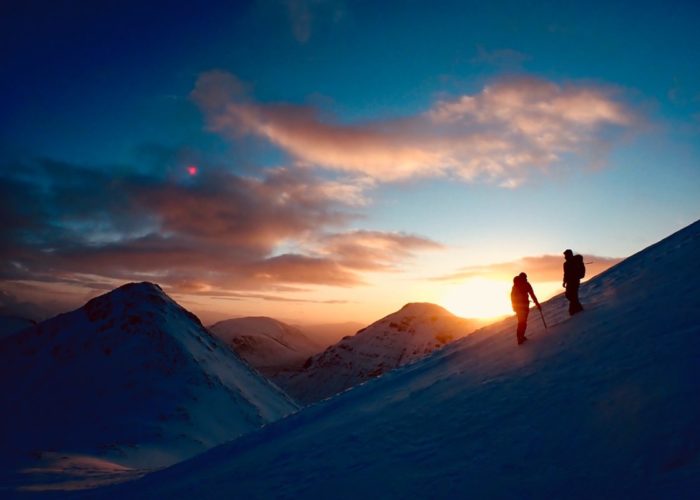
column 130, row 378
column 9, row 325
column 265, row 343
column 601, row 405
column 402, row 337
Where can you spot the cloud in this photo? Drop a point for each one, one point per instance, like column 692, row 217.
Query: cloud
column 11, row 305
column 496, row 135
column 374, row 250
column 540, row 268
column 294, row 268
column 223, row 295
column 37, row 302
column 211, row 232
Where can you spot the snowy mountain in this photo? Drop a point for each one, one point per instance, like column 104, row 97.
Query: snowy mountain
column 601, row 405
column 131, row 378
column 10, row 325
column 267, row 344
column 326, row 334
column 402, row 337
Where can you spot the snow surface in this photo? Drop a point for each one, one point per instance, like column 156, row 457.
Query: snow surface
column 265, row 343
column 602, row 405
column 402, row 337
column 68, row 472
column 9, row 325
column 131, row 378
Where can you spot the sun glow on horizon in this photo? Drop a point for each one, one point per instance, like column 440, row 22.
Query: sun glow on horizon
column 477, row 298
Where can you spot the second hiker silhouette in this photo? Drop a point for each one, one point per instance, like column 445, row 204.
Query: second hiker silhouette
column 520, row 298
column 574, row 271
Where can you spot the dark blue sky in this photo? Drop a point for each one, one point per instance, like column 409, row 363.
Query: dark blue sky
column 476, row 110
column 90, row 81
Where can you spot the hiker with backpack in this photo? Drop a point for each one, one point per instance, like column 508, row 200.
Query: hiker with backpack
column 520, row 298
column 574, row 272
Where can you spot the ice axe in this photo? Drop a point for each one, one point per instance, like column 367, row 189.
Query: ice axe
column 542, row 316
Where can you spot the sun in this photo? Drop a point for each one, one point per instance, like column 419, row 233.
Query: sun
column 477, row 298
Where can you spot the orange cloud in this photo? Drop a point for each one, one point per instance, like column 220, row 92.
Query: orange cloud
column 216, row 232
column 495, row 135
column 374, row 250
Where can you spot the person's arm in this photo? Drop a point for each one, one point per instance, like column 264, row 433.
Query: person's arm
column 563, row 282
column 532, row 294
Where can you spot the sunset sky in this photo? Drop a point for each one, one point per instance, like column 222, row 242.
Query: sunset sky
column 321, row 161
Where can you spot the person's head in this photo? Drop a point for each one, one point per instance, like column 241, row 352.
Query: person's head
column 523, row 276
column 568, row 254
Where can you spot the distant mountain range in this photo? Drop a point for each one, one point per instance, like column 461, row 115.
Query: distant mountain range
column 327, row 334
column 268, row 345
column 133, row 381
column 603, row 404
column 400, row 338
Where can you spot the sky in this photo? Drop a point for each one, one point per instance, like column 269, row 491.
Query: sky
column 323, row 161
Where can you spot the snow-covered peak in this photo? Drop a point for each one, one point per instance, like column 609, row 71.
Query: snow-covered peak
column 257, row 326
column 266, row 343
column 601, row 405
column 145, row 298
column 422, row 308
column 131, row 377
column 410, row 333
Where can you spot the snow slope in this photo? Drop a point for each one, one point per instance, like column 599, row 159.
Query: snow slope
column 602, row 405
column 395, row 340
column 329, row 333
column 265, row 343
column 131, row 378
column 9, row 325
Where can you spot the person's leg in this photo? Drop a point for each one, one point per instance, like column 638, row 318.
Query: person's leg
column 571, row 298
column 526, row 313
column 575, row 303
column 521, row 327
column 522, row 324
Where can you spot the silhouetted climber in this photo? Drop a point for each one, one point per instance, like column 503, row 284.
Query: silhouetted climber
column 574, row 271
column 520, row 298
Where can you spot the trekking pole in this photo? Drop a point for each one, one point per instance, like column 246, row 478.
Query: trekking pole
column 542, row 316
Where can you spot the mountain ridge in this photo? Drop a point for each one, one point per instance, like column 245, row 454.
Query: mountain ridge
column 600, row 404
column 401, row 337
column 131, row 377
column 266, row 343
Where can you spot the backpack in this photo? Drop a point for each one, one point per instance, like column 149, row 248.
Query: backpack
column 518, row 296
column 579, row 267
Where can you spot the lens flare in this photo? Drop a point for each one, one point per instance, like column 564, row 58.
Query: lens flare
column 192, row 170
